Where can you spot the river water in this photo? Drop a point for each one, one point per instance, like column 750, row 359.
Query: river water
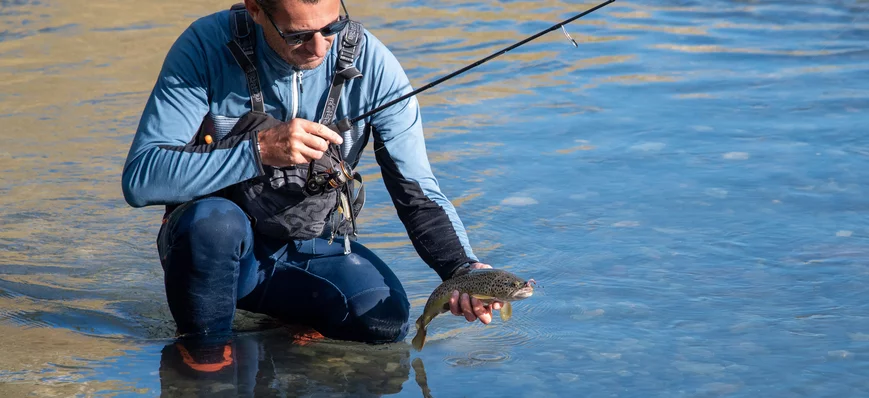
column 688, row 185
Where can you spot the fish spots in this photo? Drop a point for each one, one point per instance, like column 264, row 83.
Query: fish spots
column 485, row 284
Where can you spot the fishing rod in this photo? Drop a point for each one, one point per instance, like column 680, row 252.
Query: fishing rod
column 340, row 174
column 480, row 62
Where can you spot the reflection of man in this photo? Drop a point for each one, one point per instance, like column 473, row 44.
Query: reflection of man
column 225, row 141
column 265, row 364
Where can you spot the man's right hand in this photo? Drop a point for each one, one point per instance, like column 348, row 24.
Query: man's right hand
column 295, row 142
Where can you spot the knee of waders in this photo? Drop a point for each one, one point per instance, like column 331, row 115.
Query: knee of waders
column 379, row 315
column 207, row 228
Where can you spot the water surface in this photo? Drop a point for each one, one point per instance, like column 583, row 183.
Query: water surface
column 688, row 185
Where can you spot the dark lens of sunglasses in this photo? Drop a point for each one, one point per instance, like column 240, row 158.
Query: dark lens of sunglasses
column 335, row 27
column 328, row 30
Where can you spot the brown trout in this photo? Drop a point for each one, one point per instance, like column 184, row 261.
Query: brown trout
column 487, row 285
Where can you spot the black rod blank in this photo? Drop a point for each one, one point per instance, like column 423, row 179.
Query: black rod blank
column 480, row 62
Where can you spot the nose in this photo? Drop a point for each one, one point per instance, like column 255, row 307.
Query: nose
column 318, row 45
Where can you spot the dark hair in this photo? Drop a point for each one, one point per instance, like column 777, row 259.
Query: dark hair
column 271, row 5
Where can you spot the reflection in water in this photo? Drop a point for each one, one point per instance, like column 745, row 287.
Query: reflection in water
column 421, row 377
column 266, row 364
column 50, row 361
column 690, row 182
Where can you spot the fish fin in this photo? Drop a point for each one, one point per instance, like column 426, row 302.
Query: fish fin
column 506, row 311
column 482, row 297
column 419, row 339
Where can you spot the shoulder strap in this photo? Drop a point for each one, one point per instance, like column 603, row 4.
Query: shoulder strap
column 243, row 46
column 350, row 38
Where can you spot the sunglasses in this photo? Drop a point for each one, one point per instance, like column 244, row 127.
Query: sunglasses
column 299, row 37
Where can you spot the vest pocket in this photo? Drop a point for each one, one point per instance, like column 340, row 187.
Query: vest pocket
column 281, row 209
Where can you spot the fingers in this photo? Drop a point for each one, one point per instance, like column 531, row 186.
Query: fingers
column 481, row 311
column 454, row 303
column 307, row 143
column 467, row 309
column 309, row 140
column 295, row 142
column 471, row 308
column 320, row 131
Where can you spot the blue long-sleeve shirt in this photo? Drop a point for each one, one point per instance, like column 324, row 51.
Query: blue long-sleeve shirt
column 200, row 77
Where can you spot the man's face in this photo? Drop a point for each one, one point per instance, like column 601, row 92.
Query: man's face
column 292, row 16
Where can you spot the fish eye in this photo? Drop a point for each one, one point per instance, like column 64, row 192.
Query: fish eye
column 517, row 284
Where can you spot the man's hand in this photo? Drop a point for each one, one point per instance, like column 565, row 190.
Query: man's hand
column 295, row 142
column 470, row 307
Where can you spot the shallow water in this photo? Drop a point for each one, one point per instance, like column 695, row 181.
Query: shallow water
column 687, row 185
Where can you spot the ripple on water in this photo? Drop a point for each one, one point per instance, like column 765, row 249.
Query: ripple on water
column 462, row 361
column 22, row 318
column 477, row 358
column 617, row 302
column 519, row 331
column 489, row 356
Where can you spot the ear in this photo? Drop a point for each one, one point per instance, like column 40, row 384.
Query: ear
column 254, row 9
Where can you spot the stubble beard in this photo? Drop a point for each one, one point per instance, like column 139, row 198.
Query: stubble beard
column 309, row 65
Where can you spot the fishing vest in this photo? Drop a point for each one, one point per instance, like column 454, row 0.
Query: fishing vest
column 277, row 202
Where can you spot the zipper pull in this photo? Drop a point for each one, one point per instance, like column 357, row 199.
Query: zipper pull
column 301, row 89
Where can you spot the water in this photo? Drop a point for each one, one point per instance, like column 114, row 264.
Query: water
column 688, row 185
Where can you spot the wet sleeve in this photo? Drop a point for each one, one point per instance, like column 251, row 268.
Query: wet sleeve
column 430, row 219
column 163, row 166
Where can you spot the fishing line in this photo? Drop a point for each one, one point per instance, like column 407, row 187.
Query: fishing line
column 481, row 61
column 337, row 178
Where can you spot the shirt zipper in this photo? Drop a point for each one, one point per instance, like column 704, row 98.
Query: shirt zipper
column 297, row 89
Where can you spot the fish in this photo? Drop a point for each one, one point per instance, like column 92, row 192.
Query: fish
column 487, row 285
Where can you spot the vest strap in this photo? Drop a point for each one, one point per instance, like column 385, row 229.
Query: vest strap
column 242, row 47
column 344, row 70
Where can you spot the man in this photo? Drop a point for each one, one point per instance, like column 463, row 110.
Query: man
column 225, row 142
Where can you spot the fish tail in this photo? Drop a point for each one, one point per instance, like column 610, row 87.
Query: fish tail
column 419, row 339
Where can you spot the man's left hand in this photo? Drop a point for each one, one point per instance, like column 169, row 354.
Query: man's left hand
column 470, row 307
